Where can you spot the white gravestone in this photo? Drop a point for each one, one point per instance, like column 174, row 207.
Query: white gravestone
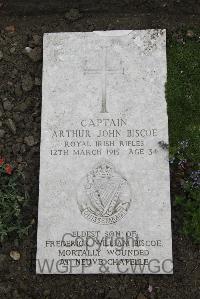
column 104, row 196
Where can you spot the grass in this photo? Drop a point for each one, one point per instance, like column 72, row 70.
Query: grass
column 183, row 100
column 183, row 94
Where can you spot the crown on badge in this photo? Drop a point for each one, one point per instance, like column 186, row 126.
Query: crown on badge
column 103, row 169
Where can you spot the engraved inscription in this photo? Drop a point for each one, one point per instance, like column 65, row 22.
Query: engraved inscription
column 103, row 72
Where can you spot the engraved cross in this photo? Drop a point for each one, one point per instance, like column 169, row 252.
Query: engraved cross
column 103, row 72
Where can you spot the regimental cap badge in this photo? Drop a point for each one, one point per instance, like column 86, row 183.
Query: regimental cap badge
column 104, row 195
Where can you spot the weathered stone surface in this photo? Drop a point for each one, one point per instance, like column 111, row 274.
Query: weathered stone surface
column 104, row 171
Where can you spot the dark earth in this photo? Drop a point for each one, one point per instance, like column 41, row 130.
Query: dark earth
column 22, row 24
